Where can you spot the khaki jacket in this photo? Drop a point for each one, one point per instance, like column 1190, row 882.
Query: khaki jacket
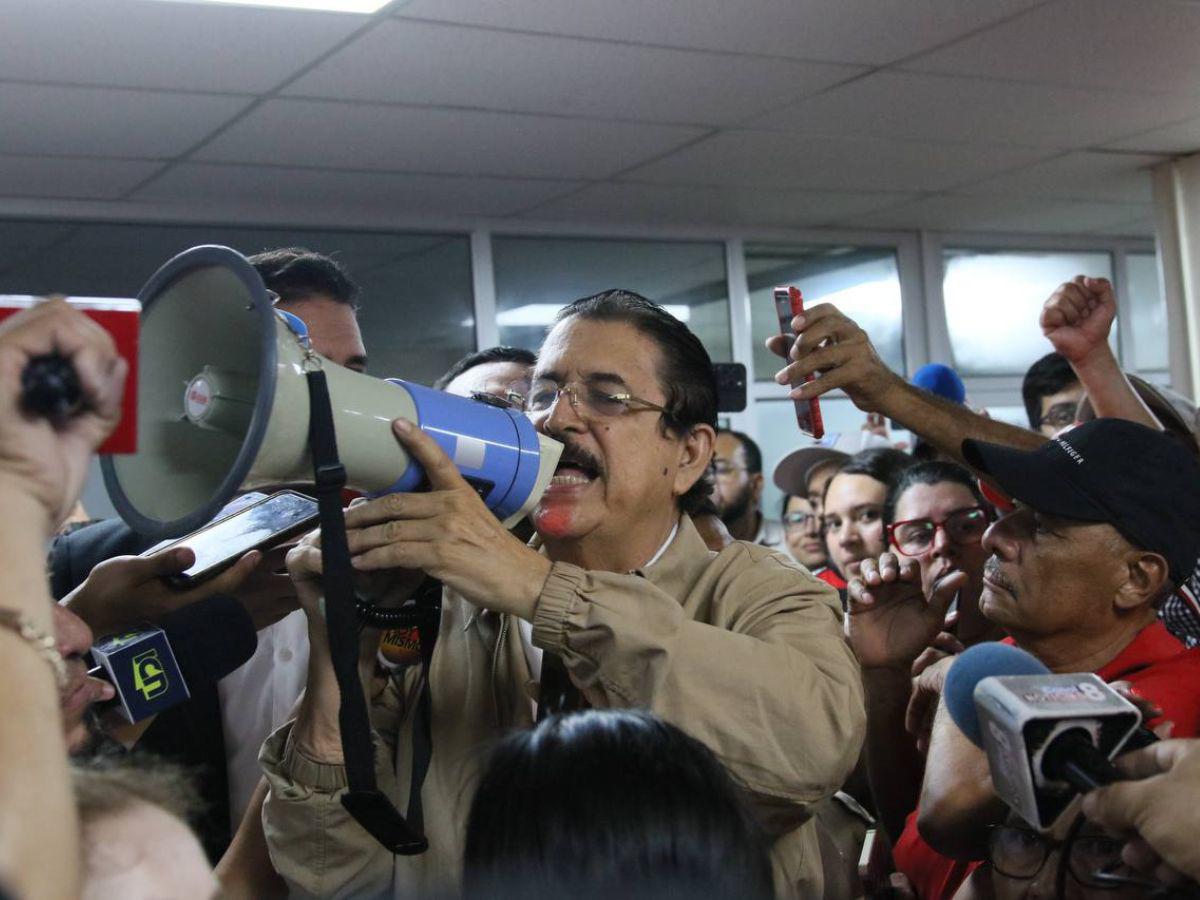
column 742, row 649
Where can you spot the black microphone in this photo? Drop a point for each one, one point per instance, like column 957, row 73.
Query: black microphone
column 197, row 644
column 50, row 387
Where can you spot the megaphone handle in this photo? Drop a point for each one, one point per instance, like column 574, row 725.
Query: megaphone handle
column 50, row 387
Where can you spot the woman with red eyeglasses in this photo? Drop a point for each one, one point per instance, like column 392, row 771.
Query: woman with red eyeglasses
column 936, row 515
column 934, row 518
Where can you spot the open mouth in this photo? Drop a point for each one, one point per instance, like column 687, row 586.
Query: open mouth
column 576, row 467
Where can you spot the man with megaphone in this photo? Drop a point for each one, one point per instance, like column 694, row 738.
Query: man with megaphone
column 617, row 603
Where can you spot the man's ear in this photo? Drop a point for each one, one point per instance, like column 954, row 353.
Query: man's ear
column 1146, row 580
column 695, row 453
column 756, row 484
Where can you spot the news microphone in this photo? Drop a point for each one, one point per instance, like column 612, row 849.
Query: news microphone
column 1047, row 737
column 197, row 644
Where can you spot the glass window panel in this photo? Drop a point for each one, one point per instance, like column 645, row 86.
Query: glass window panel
column 535, row 277
column 1148, row 309
column 417, row 313
column 994, row 300
column 863, row 282
column 777, row 435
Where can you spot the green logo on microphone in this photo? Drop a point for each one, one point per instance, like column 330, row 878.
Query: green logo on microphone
column 148, row 676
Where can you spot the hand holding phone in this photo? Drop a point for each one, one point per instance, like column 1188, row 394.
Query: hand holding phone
column 258, row 526
column 788, row 304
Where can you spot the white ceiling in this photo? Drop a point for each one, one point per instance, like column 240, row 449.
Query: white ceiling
column 992, row 115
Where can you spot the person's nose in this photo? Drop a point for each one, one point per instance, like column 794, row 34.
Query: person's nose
column 1000, row 539
column 942, row 546
column 73, row 635
column 1042, row 886
column 561, row 417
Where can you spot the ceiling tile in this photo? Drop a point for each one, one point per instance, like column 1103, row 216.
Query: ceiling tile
column 73, row 121
column 1148, row 45
column 461, row 142
column 915, row 107
column 1109, row 177
column 1181, row 139
column 853, row 31
column 86, row 179
column 193, row 46
column 282, row 190
column 1012, row 214
column 443, row 65
column 625, row 202
column 777, row 160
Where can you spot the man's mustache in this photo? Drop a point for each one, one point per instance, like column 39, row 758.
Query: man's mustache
column 573, row 454
column 991, row 571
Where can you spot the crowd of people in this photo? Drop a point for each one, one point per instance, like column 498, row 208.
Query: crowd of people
column 653, row 686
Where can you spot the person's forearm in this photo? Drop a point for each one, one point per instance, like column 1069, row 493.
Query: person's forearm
column 245, row 871
column 946, row 425
column 958, row 802
column 1110, row 392
column 316, row 733
column 893, row 763
column 40, row 850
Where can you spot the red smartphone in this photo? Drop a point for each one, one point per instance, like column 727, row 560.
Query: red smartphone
column 788, row 304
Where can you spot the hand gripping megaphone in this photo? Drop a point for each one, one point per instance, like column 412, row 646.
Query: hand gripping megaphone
column 223, row 406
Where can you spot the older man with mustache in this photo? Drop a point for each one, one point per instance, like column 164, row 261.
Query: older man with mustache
column 621, row 606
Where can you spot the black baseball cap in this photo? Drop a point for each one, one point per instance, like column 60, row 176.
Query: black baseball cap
column 1141, row 481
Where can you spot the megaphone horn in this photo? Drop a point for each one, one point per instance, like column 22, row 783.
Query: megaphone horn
column 223, row 406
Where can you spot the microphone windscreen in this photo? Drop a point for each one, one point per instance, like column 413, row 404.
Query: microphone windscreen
column 210, row 638
column 972, row 666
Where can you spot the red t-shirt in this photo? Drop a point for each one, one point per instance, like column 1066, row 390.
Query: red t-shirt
column 1159, row 668
column 830, row 577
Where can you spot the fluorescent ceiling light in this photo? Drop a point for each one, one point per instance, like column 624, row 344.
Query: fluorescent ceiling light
column 534, row 314
column 345, row 6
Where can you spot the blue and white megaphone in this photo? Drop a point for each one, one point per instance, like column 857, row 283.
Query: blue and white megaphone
column 223, row 406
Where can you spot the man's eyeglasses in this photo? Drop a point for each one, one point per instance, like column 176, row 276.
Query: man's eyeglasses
column 587, row 400
column 1060, row 415
column 724, row 468
column 507, row 400
column 914, row 537
column 802, row 521
column 1019, row 853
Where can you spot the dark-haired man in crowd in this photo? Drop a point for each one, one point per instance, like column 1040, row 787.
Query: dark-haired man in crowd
column 501, row 372
column 737, row 465
column 221, row 728
column 1051, row 393
column 622, row 606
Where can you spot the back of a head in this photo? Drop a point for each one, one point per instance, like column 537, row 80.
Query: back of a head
column 296, row 273
column 133, row 813
column 1049, row 375
column 610, row 803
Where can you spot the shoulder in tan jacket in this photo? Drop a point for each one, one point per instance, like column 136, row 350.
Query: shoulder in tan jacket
column 742, row 649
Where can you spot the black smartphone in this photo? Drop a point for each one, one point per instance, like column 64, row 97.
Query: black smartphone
column 731, row 386
column 260, row 525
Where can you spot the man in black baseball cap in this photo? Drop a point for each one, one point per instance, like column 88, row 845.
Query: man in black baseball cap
column 1139, row 481
column 1106, row 523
